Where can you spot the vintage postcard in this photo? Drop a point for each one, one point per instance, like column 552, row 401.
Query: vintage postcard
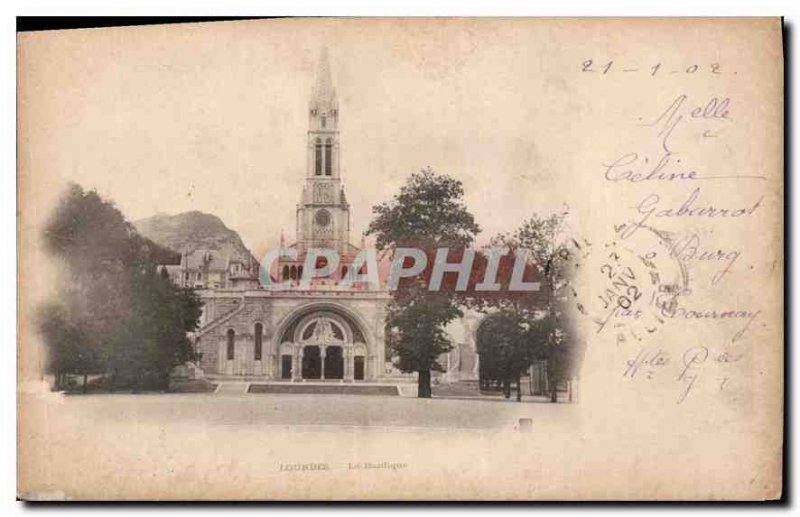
column 402, row 259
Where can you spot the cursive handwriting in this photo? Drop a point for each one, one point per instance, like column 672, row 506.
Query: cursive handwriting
column 691, row 314
column 689, row 249
column 696, row 364
column 650, row 207
column 631, row 168
column 713, row 110
column 647, row 362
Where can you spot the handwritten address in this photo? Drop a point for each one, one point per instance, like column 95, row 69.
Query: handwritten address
column 676, row 194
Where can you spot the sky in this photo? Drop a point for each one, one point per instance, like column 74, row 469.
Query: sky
column 212, row 116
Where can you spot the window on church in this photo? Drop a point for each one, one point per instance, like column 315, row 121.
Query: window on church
column 258, row 340
column 324, row 122
column 231, row 339
column 293, row 273
column 309, row 331
column 286, row 272
column 328, row 161
column 318, row 158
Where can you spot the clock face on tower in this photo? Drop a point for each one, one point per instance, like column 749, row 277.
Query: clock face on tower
column 322, row 218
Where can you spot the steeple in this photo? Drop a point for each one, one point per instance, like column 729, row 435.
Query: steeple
column 323, row 215
column 323, row 95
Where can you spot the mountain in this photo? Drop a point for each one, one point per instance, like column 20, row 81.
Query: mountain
column 162, row 254
column 191, row 231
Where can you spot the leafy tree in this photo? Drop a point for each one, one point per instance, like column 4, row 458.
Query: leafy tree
column 426, row 214
column 546, row 322
column 70, row 349
column 118, row 314
column 416, row 334
column 504, row 351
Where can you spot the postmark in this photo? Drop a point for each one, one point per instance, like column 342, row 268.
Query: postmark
column 640, row 282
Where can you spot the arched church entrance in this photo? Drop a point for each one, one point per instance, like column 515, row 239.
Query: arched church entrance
column 334, row 362
column 312, row 362
column 326, row 345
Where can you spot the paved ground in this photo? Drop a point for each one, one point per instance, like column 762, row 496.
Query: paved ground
column 231, row 406
column 236, row 444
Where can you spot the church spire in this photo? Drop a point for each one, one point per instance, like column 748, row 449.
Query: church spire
column 323, row 95
column 323, row 215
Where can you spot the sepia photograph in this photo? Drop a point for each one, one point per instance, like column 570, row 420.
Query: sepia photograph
column 396, row 259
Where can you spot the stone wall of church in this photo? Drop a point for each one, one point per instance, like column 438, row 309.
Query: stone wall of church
column 218, row 308
column 240, row 313
column 275, row 312
column 241, row 317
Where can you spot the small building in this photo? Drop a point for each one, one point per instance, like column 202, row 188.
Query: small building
column 214, row 269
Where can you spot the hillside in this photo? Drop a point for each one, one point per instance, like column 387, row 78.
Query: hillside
column 191, row 231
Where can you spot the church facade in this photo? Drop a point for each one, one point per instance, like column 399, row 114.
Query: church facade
column 320, row 331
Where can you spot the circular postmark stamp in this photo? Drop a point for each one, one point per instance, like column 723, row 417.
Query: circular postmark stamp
column 640, row 283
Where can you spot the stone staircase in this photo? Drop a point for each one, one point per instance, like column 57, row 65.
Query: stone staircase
column 324, row 389
column 232, row 388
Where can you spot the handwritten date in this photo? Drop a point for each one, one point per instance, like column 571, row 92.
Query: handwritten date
column 605, row 67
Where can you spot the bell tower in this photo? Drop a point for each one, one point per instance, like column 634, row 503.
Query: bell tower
column 323, row 214
column 323, row 125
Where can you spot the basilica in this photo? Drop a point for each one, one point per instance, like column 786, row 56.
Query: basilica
column 316, row 332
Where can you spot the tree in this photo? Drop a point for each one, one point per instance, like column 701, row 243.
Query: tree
column 70, row 350
column 504, row 351
column 427, row 213
column 548, row 326
column 117, row 314
column 159, row 316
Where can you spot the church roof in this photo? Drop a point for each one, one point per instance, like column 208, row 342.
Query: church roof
column 323, row 95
